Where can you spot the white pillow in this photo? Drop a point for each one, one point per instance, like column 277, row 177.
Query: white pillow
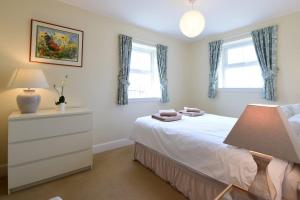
column 295, row 123
column 290, row 110
column 287, row 111
column 296, row 108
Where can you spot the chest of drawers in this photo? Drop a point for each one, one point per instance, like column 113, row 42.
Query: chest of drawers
column 47, row 145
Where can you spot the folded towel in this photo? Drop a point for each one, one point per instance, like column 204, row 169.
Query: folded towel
column 56, row 198
column 187, row 109
column 166, row 119
column 192, row 114
column 167, row 113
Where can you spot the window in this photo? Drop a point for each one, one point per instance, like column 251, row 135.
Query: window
column 239, row 67
column 143, row 77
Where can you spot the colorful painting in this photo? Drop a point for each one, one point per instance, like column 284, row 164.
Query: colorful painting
column 53, row 44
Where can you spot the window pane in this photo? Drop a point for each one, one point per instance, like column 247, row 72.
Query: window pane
column 139, row 83
column 143, row 77
column 235, row 55
column 143, row 86
column 140, row 60
column 243, row 77
column 250, row 54
column 239, row 67
column 241, row 54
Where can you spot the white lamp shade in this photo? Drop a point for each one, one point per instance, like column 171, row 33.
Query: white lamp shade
column 28, row 78
column 265, row 129
column 192, row 23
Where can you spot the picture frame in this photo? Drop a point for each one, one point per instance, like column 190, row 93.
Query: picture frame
column 55, row 44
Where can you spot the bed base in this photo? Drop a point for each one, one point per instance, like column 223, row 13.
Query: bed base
column 192, row 184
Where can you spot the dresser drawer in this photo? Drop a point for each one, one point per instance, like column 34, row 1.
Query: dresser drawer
column 38, row 128
column 25, row 152
column 42, row 170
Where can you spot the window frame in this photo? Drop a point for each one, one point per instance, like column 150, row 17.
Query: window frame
column 223, row 64
column 138, row 71
column 232, row 46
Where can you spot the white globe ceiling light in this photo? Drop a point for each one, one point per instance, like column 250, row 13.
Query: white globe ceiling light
column 192, row 23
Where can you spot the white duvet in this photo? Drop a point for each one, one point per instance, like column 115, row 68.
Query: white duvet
column 197, row 142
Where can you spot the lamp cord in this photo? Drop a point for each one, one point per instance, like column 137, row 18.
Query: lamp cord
column 192, row 2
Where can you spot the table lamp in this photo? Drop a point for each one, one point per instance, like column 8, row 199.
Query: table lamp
column 266, row 132
column 29, row 80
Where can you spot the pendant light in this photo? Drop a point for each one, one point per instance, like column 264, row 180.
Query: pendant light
column 192, row 23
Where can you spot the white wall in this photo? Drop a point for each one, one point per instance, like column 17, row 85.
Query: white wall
column 94, row 85
column 233, row 103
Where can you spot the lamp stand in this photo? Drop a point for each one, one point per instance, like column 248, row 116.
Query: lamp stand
column 298, row 191
column 262, row 186
column 29, row 101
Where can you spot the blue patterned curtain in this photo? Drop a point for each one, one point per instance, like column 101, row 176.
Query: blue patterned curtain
column 265, row 42
column 125, row 47
column 162, row 69
column 214, row 57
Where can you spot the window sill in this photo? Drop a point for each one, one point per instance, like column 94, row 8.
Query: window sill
column 240, row 90
column 150, row 99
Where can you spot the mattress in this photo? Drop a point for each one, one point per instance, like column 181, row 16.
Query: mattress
column 197, row 142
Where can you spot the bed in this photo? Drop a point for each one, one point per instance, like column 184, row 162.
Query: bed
column 191, row 156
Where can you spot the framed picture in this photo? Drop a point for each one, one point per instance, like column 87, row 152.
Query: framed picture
column 54, row 44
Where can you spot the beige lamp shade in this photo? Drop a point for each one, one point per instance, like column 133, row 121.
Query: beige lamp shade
column 265, row 129
column 28, row 78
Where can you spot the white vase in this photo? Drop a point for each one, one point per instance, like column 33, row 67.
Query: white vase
column 62, row 107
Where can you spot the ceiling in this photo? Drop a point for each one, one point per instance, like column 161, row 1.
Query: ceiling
column 163, row 15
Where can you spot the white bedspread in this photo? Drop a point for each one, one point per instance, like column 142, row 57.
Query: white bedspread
column 197, row 142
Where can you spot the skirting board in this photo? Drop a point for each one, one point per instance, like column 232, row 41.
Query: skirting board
column 3, row 170
column 99, row 148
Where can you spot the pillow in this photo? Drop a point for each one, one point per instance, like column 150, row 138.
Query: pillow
column 290, row 110
column 296, row 108
column 295, row 123
column 287, row 111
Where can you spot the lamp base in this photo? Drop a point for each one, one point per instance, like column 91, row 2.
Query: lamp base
column 28, row 102
column 262, row 186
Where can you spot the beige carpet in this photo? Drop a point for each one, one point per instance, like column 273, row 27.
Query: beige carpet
column 114, row 177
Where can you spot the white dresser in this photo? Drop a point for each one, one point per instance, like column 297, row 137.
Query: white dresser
column 47, row 145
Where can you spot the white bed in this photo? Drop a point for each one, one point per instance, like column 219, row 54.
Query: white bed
column 197, row 142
